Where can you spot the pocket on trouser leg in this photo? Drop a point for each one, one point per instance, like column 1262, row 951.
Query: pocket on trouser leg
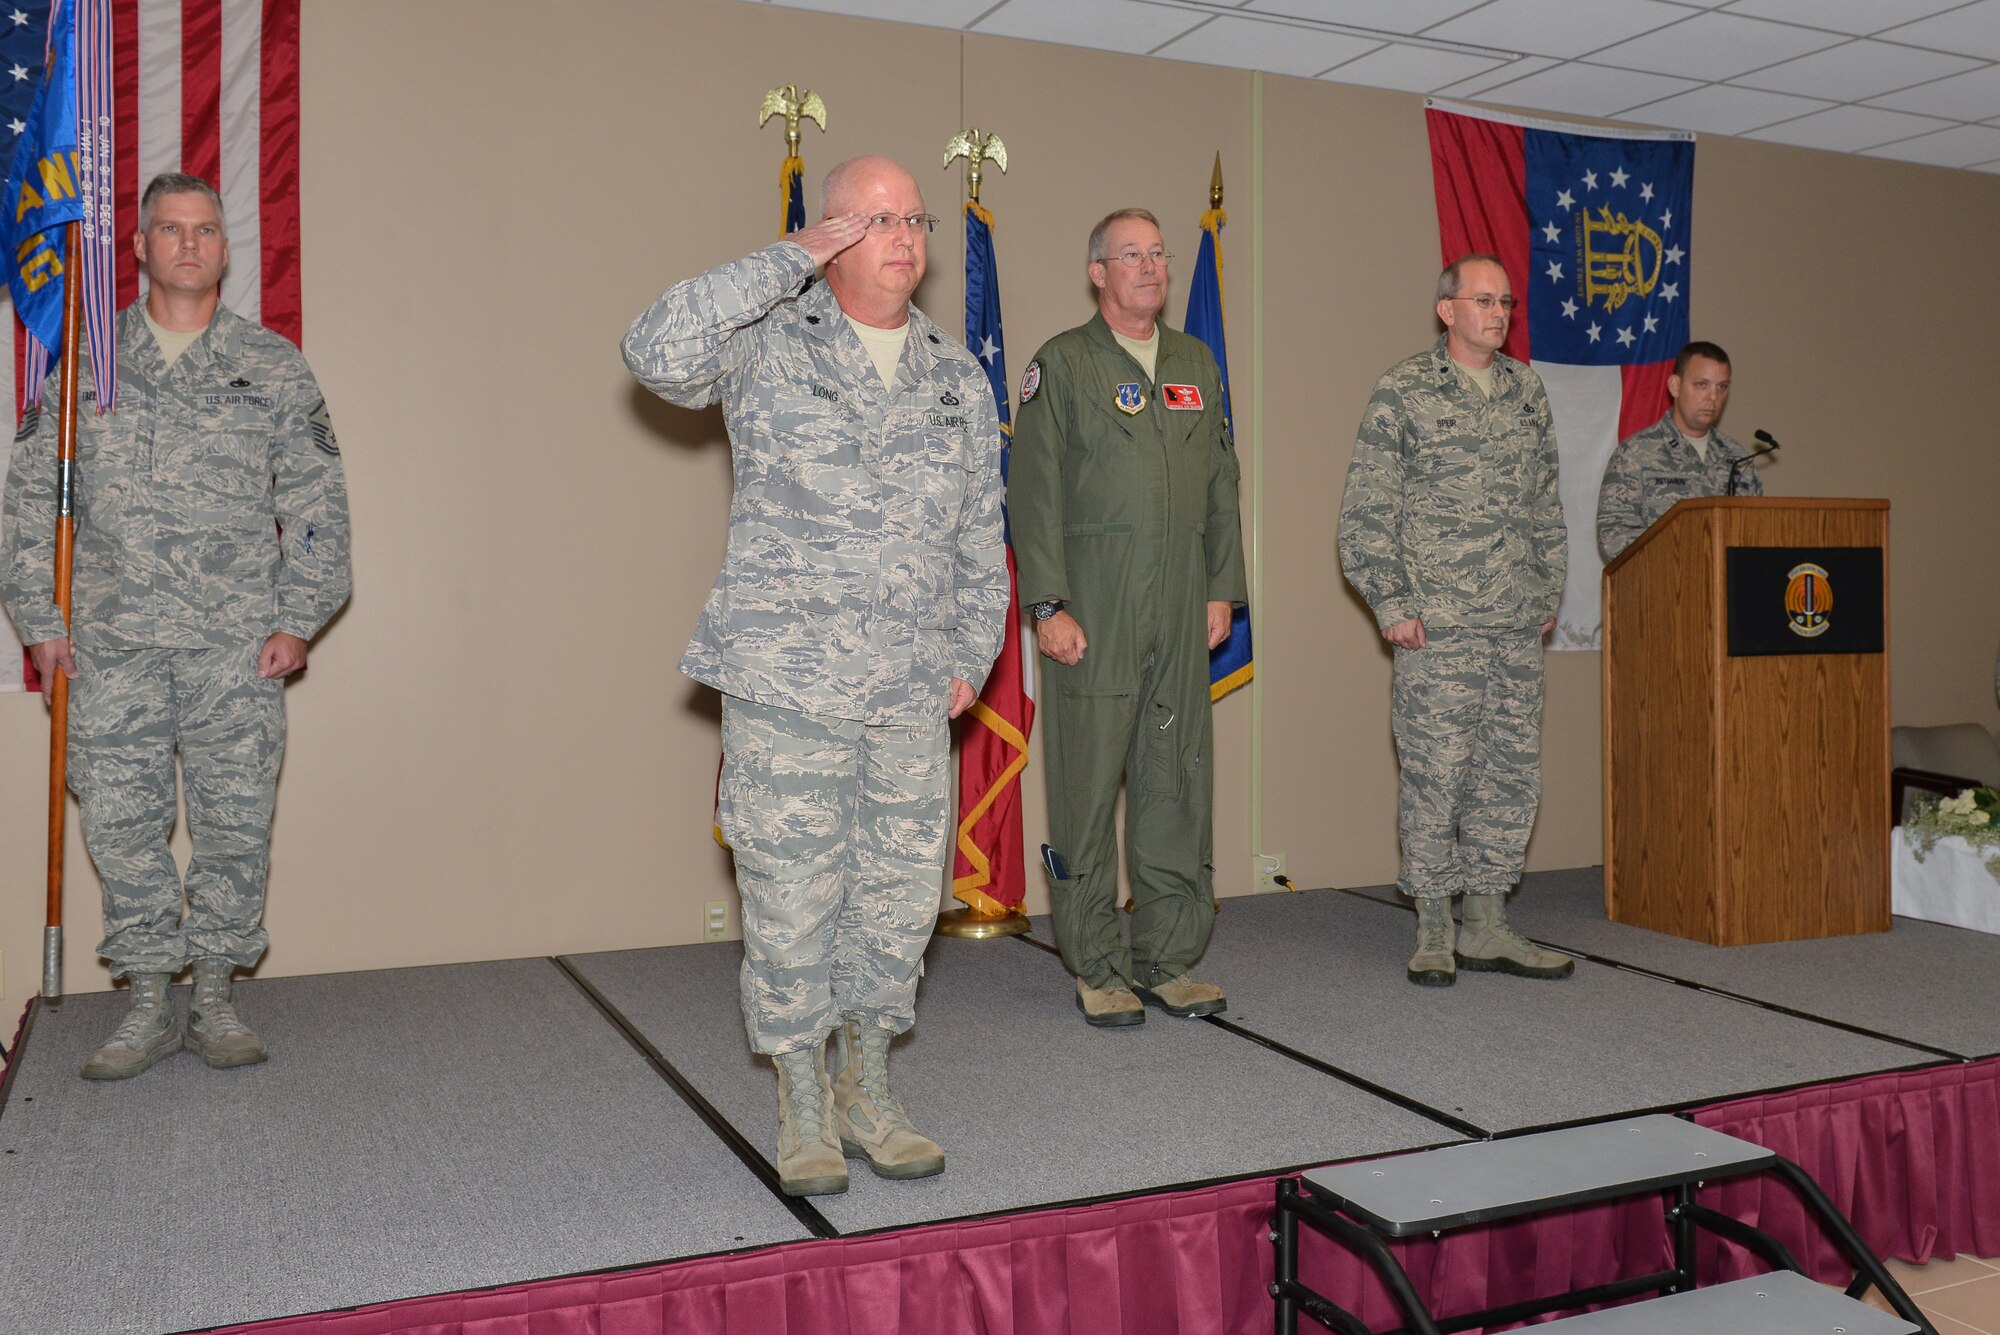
column 1164, row 771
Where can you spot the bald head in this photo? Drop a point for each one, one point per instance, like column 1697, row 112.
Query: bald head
column 848, row 184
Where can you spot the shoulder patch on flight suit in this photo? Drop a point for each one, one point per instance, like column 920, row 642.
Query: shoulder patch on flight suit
column 1031, row 380
column 1131, row 399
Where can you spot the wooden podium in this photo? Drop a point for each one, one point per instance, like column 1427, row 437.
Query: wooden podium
column 1746, row 777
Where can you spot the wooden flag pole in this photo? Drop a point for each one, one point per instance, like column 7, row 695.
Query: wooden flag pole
column 65, row 544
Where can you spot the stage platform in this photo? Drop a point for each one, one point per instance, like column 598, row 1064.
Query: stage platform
column 433, row 1130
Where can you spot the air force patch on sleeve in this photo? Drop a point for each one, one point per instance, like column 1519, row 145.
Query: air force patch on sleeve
column 1031, row 380
column 322, row 430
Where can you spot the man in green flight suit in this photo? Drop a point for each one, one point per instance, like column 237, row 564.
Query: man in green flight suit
column 1122, row 499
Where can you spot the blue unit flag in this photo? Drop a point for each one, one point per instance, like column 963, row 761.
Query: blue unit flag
column 43, row 192
column 1231, row 663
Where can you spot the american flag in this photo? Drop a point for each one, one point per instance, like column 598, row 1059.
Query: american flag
column 209, row 87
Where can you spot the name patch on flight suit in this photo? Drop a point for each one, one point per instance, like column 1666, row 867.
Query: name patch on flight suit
column 1181, row 398
column 1131, row 399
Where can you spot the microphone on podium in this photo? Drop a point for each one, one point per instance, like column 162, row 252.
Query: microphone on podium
column 1770, row 443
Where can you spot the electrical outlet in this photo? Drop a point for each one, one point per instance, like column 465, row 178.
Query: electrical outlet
column 715, row 920
column 1267, row 873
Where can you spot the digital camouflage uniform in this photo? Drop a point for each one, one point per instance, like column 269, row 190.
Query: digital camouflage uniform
column 865, row 569
column 1653, row 468
column 211, row 511
column 1130, row 519
column 1452, row 515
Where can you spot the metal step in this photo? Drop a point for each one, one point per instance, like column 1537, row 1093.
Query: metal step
column 1500, row 1179
column 1777, row 1304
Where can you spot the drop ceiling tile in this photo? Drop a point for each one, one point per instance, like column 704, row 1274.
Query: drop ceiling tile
column 1973, row 96
column 1714, row 46
column 1258, row 44
column 1859, row 18
column 1500, row 75
column 1993, row 166
column 1960, row 146
column 1104, row 25
column 1414, row 69
column 1856, row 71
column 933, row 13
column 1405, row 16
column 1721, row 109
column 1557, row 27
column 1974, row 29
column 1848, row 129
column 1588, row 90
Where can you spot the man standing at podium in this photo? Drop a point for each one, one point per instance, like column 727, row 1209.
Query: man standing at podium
column 1452, row 529
column 1682, row 455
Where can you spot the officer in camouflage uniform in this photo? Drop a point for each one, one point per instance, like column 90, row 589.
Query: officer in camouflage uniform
column 1683, row 455
column 1122, row 496
column 211, row 545
column 1452, row 529
column 859, row 607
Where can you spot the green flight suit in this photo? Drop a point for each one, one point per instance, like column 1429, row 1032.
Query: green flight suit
column 1128, row 517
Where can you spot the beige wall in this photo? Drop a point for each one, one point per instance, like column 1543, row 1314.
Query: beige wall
column 493, row 755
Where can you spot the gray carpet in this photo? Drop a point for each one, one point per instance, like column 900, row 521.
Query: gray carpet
column 415, row 1131
column 1921, row 981
column 1030, row 1104
column 1322, row 972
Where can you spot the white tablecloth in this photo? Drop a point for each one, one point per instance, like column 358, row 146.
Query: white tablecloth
column 1950, row 885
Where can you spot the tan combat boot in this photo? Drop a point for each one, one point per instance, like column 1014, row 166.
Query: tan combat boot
column 1108, row 1007
column 1432, row 965
column 150, row 1030
column 867, row 1114
column 215, row 1033
column 1183, row 996
column 809, row 1162
column 1489, row 944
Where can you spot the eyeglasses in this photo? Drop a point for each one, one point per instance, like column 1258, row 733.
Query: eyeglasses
column 883, row 223
column 1130, row 258
column 1486, row 301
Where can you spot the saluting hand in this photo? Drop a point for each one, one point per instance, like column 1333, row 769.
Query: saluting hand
column 1061, row 639
column 829, row 236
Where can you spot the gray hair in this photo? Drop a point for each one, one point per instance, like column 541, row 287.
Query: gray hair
column 1453, row 277
column 1098, row 251
column 178, row 183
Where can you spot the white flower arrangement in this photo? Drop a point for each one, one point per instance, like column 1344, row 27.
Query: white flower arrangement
column 1973, row 815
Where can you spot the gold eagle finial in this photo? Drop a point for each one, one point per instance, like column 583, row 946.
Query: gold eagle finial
column 975, row 147
column 787, row 101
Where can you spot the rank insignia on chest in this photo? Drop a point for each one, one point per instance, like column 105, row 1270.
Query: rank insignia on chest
column 1131, row 399
column 1181, row 398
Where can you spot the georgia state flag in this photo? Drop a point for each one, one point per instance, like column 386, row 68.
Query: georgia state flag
column 1592, row 227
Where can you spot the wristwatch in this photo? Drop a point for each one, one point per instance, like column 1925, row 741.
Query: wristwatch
column 1044, row 610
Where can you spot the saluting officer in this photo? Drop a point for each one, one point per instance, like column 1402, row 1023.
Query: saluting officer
column 860, row 605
